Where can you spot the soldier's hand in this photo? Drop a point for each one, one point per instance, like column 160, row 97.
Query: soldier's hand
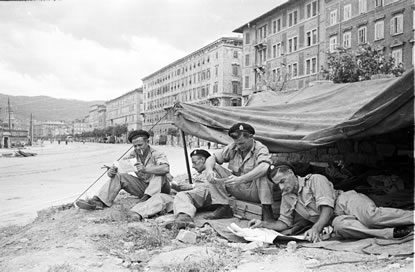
column 255, row 223
column 210, row 176
column 112, row 171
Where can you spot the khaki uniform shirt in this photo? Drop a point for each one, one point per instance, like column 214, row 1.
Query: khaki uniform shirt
column 314, row 191
column 259, row 153
column 152, row 158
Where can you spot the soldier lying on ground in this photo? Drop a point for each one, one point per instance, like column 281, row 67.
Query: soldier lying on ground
column 351, row 214
column 151, row 175
column 190, row 197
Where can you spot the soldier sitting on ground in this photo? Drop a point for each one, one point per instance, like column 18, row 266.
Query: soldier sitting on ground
column 190, row 197
column 248, row 160
column 151, row 175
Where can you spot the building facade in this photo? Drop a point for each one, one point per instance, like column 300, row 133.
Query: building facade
column 287, row 47
column 97, row 117
column 126, row 109
column 386, row 24
column 210, row 75
column 80, row 126
column 282, row 48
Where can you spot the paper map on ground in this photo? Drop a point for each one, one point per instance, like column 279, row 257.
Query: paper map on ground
column 262, row 234
column 126, row 166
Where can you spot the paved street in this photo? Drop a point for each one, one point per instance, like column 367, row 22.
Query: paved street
column 57, row 175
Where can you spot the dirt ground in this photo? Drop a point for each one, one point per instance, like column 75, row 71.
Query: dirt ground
column 64, row 238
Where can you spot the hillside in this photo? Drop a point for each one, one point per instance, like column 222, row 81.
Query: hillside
column 45, row 108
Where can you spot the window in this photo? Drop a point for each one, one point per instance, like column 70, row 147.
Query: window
column 235, row 54
column 235, row 70
column 346, row 39
column 289, row 71
column 262, row 32
column 397, row 56
column 247, row 38
column 278, row 74
column 247, row 60
column 216, row 70
column 311, row 37
column 279, row 50
column 333, row 44
column 294, row 71
column 274, row 27
column 235, row 87
column 396, row 24
column 311, row 66
column 379, row 30
column 292, row 44
column 246, row 81
column 279, row 25
column 378, row 3
column 274, row 51
column 361, row 35
column 292, row 18
column 333, row 17
column 311, row 9
column 215, row 87
column 362, row 6
column 347, row 12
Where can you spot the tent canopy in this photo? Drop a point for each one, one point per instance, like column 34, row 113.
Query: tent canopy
column 314, row 116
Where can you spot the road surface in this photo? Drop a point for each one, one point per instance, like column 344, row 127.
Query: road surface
column 58, row 175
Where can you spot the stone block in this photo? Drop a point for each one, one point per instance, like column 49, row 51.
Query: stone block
column 187, row 237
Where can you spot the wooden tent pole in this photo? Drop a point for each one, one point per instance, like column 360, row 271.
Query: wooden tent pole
column 187, row 157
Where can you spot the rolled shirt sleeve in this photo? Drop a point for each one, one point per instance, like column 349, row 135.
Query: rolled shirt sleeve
column 263, row 155
column 223, row 155
column 160, row 158
column 323, row 190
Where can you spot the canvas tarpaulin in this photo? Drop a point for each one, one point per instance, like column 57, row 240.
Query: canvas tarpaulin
column 314, row 116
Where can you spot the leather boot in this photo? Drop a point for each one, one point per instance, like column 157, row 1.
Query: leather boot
column 267, row 214
column 224, row 211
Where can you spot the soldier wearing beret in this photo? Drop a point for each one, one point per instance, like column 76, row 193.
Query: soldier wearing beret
column 351, row 214
column 201, row 193
column 190, row 197
column 151, row 175
column 248, row 161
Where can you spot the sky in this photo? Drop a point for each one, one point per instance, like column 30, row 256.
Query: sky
column 100, row 49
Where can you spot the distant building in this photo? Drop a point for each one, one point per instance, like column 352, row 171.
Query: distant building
column 282, row 48
column 210, row 75
column 97, row 117
column 386, row 24
column 50, row 129
column 125, row 109
column 80, row 126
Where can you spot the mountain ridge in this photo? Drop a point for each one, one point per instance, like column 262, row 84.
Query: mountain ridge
column 45, row 108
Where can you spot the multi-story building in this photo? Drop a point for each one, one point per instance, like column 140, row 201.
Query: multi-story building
column 282, row 48
column 80, row 126
column 386, row 24
column 126, row 109
column 97, row 118
column 50, row 129
column 210, row 75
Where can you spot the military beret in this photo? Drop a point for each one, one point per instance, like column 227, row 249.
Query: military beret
column 273, row 168
column 244, row 127
column 137, row 133
column 200, row 152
